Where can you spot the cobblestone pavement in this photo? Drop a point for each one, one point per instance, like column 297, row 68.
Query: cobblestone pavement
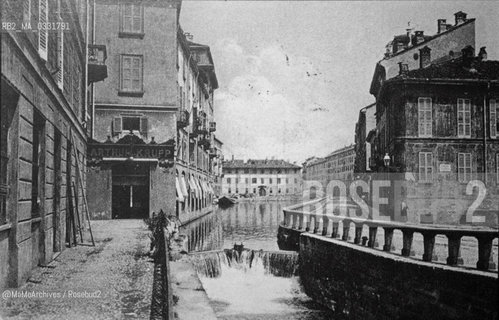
column 112, row 280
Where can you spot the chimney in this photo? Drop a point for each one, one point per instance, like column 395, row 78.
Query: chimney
column 467, row 53
column 460, row 17
column 441, row 25
column 424, row 57
column 482, row 55
column 419, row 37
column 403, row 68
column 232, row 157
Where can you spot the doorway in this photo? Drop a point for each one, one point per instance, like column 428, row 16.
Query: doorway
column 130, row 193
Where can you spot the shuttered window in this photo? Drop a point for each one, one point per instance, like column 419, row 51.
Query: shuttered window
column 42, row 32
column 130, row 124
column 464, row 167
column 497, row 167
column 425, row 117
column 60, row 57
column 494, row 118
column 425, row 166
column 464, row 118
column 26, row 10
column 131, row 73
column 132, row 18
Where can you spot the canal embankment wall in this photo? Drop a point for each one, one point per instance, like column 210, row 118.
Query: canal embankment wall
column 361, row 283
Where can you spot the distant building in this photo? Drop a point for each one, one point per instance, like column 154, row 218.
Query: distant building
column 338, row 165
column 261, row 177
column 365, row 124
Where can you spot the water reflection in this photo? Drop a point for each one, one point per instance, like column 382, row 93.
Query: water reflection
column 254, row 224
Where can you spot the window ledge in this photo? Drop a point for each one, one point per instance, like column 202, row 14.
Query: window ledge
column 5, row 227
column 133, row 35
column 131, row 93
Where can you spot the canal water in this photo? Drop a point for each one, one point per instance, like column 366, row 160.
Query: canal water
column 258, row 282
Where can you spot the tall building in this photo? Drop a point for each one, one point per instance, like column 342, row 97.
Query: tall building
column 338, row 165
column 437, row 124
column 45, row 125
column 261, row 178
column 152, row 138
column 365, row 124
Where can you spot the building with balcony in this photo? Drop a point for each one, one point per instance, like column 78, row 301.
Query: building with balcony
column 45, row 124
column 261, row 178
column 436, row 125
column 154, row 124
column 338, row 165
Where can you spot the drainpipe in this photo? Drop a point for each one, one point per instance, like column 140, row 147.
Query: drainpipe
column 85, row 99
column 92, row 85
column 485, row 132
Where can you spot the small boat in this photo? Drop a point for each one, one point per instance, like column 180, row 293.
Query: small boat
column 226, row 201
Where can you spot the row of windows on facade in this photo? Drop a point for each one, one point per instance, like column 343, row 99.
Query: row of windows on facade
column 261, row 171
column 332, row 164
column 279, row 191
column 464, row 167
column 188, row 156
column 331, row 169
column 60, row 55
column 425, row 117
column 262, row 180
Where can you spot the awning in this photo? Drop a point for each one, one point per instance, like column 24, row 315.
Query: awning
column 208, row 186
column 183, row 187
column 194, row 187
column 180, row 196
column 211, row 188
column 201, row 192
column 203, row 186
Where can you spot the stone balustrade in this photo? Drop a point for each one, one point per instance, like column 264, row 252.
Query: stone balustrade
column 304, row 217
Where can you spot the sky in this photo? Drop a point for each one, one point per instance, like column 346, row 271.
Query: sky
column 293, row 75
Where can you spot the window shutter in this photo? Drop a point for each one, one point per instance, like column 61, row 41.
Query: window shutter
column 143, row 126
column 60, row 59
column 42, row 32
column 493, row 118
column 117, row 125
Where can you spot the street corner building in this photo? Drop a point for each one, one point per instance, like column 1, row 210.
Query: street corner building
column 153, row 146
column 45, row 124
column 435, row 124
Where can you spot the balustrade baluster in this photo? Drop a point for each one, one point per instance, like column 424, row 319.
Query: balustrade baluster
column 346, row 230
column 334, row 233
column 373, row 231
column 316, row 223
column 300, row 220
column 358, row 233
column 454, row 245
column 294, row 217
column 388, row 239
column 407, row 236
column 484, row 251
column 325, row 225
column 429, row 244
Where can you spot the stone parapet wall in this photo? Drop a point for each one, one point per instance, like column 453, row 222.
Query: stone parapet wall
column 360, row 283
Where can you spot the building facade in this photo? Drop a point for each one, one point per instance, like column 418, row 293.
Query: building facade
column 437, row 125
column 261, row 178
column 338, row 165
column 153, row 126
column 44, row 132
column 365, row 124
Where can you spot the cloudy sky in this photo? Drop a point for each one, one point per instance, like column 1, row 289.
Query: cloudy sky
column 294, row 74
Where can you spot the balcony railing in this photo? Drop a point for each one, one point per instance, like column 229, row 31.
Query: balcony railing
column 213, row 126
column 183, row 119
column 97, row 69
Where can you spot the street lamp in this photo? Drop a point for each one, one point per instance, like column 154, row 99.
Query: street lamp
column 386, row 160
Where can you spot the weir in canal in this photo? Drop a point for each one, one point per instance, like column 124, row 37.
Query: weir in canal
column 256, row 281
